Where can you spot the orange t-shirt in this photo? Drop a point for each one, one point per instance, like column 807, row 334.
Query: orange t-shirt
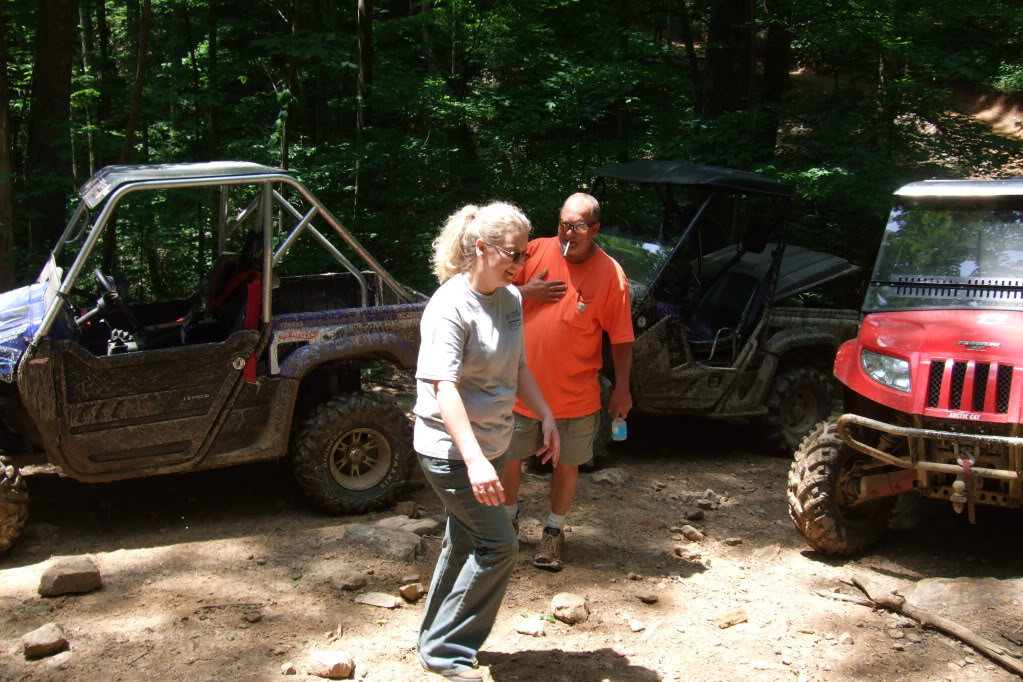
column 563, row 339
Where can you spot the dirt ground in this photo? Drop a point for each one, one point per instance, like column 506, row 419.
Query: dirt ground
column 224, row 575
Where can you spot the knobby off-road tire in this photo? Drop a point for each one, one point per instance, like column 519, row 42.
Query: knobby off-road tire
column 823, row 475
column 13, row 503
column 798, row 400
column 351, row 455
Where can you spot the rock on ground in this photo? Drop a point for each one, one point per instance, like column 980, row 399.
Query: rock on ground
column 647, row 597
column 384, row 601
column 70, row 575
column 417, row 526
column 531, row 626
column 412, row 591
column 390, row 543
column 348, row 581
column 727, row 620
column 409, row 508
column 43, row 641
column 333, row 665
column 570, row 608
column 612, row 476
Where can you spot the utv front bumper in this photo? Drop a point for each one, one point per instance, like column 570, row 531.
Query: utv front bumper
column 967, row 443
column 964, row 468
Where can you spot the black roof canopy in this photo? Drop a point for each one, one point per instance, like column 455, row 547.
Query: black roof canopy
column 682, row 173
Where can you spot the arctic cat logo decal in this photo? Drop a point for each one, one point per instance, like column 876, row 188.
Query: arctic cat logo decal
column 964, row 415
column 979, row 345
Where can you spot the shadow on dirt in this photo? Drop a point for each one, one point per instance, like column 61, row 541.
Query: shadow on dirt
column 581, row 666
column 926, row 539
column 163, row 510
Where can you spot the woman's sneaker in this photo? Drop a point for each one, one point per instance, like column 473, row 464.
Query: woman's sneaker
column 548, row 555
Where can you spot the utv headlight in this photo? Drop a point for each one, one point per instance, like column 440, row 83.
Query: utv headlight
column 884, row 369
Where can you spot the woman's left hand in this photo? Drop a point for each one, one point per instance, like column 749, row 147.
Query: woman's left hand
column 486, row 484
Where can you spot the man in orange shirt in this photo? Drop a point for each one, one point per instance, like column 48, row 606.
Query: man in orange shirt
column 572, row 292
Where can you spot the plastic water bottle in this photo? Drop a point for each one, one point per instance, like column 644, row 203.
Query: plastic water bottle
column 619, row 431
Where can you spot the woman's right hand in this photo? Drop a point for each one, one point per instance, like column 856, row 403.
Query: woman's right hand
column 486, row 484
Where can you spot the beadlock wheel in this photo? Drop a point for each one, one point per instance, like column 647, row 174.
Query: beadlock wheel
column 351, row 455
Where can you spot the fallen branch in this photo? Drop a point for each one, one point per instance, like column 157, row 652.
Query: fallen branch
column 846, row 597
column 898, row 604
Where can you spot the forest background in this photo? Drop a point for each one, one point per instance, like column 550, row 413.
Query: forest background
column 397, row 112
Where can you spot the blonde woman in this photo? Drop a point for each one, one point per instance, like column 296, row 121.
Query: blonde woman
column 472, row 365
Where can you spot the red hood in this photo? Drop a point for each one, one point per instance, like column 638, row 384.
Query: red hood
column 962, row 362
column 947, row 332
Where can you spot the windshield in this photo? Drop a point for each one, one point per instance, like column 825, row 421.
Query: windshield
column 950, row 253
column 639, row 259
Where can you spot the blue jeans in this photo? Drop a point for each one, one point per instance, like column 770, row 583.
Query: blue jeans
column 475, row 564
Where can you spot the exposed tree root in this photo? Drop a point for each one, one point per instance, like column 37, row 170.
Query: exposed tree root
column 898, row 604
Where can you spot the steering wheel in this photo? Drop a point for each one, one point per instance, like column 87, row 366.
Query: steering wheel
column 109, row 298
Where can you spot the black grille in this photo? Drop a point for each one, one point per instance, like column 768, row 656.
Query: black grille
column 1004, row 386
column 934, row 382
column 957, row 381
column 955, row 398
column 980, row 375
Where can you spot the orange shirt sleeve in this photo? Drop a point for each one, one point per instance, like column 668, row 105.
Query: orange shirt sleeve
column 616, row 314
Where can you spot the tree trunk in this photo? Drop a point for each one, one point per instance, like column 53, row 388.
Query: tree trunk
column 212, row 82
column 108, row 84
column 198, row 147
column 777, row 63
column 88, row 68
column 363, row 87
column 140, row 83
column 49, row 128
column 729, row 56
column 694, row 64
column 6, row 178
column 365, row 61
column 291, row 87
column 110, row 237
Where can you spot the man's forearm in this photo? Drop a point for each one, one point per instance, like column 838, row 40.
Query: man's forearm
column 621, row 354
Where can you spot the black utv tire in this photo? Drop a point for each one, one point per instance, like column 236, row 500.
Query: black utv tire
column 821, row 473
column 351, row 455
column 13, row 503
column 798, row 400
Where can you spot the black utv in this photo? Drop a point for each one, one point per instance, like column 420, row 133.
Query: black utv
column 724, row 311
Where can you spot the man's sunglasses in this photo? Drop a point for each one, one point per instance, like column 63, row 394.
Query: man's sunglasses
column 518, row 257
column 578, row 228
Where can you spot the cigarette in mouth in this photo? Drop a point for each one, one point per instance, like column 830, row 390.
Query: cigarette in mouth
column 564, row 251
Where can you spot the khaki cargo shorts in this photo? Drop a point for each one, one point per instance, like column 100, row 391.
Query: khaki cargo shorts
column 576, row 438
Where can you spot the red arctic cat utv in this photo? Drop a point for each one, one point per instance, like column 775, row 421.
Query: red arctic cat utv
column 932, row 402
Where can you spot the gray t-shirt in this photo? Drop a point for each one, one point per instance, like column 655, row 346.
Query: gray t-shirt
column 476, row 341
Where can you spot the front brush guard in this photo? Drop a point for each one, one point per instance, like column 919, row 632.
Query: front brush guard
column 968, row 439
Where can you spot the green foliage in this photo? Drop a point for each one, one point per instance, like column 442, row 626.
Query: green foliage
column 1010, row 79
column 474, row 100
